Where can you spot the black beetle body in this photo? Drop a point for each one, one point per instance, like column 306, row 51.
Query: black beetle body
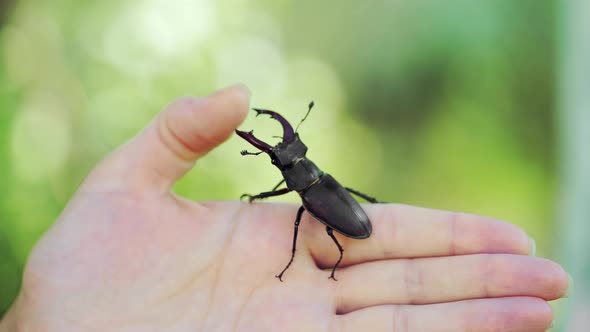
column 332, row 205
column 322, row 196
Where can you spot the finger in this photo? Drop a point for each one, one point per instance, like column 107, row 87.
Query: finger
column 514, row 314
column 446, row 279
column 402, row 231
column 184, row 131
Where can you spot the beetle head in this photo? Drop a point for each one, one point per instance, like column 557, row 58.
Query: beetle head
column 284, row 154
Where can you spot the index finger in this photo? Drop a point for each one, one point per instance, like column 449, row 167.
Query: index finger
column 403, row 231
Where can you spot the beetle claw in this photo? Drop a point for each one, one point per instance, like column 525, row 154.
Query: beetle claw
column 250, row 197
column 280, row 277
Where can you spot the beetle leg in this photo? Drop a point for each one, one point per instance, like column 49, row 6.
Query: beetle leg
column 266, row 194
column 297, row 220
column 364, row 196
column 246, row 153
column 278, row 184
column 273, row 190
column 330, row 232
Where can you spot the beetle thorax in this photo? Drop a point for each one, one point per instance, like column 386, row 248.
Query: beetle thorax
column 303, row 174
column 287, row 154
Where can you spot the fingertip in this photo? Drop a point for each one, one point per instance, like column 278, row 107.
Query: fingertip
column 200, row 124
column 505, row 237
column 523, row 243
column 570, row 285
column 559, row 281
column 184, row 131
column 240, row 89
column 533, row 247
column 232, row 104
column 239, row 94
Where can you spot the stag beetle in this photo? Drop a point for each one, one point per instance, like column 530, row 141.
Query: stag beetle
column 322, row 196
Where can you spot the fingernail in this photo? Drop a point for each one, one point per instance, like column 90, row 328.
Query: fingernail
column 570, row 286
column 244, row 89
column 240, row 88
column 533, row 245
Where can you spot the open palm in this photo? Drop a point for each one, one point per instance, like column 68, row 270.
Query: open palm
column 129, row 255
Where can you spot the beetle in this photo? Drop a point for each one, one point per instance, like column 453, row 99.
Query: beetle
column 322, row 196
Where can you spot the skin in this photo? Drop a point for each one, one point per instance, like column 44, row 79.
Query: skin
column 127, row 254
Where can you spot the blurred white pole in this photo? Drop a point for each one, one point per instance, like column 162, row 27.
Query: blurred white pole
column 574, row 133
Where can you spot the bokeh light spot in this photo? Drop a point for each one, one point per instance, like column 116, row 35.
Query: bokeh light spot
column 40, row 139
column 145, row 37
column 254, row 61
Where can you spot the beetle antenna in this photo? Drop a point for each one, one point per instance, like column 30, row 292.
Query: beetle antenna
column 306, row 114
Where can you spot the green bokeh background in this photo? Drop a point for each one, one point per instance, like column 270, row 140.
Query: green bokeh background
column 445, row 104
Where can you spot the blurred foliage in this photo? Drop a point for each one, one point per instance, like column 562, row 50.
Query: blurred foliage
column 441, row 104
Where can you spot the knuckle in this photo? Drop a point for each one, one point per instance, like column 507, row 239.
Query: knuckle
column 414, row 282
column 399, row 319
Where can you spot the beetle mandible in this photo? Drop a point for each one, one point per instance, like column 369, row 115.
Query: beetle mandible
column 322, row 196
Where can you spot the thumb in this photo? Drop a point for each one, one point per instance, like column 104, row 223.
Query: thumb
column 183, row 132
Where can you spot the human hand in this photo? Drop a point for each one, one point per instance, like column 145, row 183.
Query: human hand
column 127, row 254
